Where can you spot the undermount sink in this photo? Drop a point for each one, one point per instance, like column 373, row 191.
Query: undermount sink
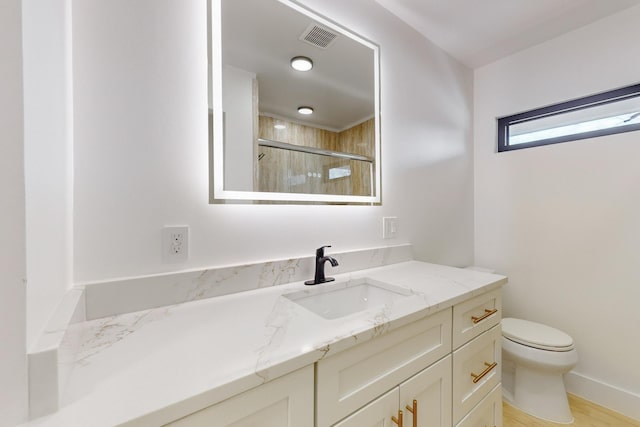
column 340, row 299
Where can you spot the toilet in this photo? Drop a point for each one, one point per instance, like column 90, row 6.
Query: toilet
column 534, row 359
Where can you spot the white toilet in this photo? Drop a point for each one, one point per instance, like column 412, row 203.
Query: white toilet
column 534, row 359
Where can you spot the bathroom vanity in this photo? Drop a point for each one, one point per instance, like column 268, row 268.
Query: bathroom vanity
column 441, row 370
column 425, row 341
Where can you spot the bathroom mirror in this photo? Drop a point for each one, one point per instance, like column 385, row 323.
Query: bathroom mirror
column 263, row 149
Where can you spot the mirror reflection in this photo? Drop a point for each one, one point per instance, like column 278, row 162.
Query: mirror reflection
column 297, row 118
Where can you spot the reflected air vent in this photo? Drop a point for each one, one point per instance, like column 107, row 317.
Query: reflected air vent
column 318, row 36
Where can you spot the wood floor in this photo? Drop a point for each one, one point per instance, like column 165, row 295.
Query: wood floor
column 586, row 414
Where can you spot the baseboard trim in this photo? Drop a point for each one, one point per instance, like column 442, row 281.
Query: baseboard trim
column 614, row 398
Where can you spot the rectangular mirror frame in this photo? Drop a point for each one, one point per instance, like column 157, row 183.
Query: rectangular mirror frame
column 217, row 193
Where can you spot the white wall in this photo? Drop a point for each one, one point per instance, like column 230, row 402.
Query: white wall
column 562, row 221
column 48, row 157
column 237, row 101
column 141, row 158
column 13, row 374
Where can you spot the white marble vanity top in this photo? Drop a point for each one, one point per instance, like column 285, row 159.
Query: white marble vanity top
column 150, row 367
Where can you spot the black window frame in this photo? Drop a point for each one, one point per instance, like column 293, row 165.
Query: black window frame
column 608, row 97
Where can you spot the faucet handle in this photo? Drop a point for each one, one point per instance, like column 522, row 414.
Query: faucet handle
column 320, row 251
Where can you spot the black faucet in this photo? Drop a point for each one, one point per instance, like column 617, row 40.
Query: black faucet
column 320, row 260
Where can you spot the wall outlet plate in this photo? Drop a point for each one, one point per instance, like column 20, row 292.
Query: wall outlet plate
column 390, row 226
column 175, row 244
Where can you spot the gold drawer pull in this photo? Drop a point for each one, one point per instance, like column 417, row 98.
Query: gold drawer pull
column 414, row 411
column 399, row 419
column 478, row 377
column 486, row 314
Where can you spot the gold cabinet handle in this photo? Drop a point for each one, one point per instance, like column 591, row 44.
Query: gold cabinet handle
column 478, row 377
column 414, row 412
column 399, row 419
column 486, row 314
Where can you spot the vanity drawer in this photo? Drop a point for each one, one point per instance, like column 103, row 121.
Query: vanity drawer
column 488, row 413
column 476, row 371
column 350, row 379
column 475, row 316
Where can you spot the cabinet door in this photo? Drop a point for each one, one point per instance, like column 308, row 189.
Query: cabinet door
column 431, row 389
column 376, row 414
column 284, row 402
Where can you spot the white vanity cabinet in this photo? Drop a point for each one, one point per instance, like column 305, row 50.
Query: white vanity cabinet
column 476, row 371
column 285, row 401
column 477, row 359
column 448, row 362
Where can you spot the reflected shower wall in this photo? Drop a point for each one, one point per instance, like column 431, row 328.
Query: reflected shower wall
column 289, row 170
column 295, row 158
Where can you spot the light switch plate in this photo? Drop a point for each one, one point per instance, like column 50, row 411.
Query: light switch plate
column 390, row 227
column 175, row 244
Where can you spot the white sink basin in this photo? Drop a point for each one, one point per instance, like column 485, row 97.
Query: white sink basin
column 340, row 299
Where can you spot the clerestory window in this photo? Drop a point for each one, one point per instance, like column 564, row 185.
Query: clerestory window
column 606, row 113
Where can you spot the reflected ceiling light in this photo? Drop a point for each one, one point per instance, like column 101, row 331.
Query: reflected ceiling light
column 301, row 63
column 280, row 127
column 305, row 110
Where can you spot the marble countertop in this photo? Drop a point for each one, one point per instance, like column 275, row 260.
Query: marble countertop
column 153, row 366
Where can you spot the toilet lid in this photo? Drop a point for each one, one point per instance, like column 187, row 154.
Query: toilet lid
column 536, row 335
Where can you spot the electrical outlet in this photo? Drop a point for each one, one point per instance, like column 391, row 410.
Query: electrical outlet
column 389, row 227
column 175, row 244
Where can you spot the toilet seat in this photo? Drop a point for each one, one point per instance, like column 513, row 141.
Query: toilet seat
column 536, row 335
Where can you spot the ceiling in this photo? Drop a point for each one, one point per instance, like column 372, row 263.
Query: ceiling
column 479, row 32
column 261, row 36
